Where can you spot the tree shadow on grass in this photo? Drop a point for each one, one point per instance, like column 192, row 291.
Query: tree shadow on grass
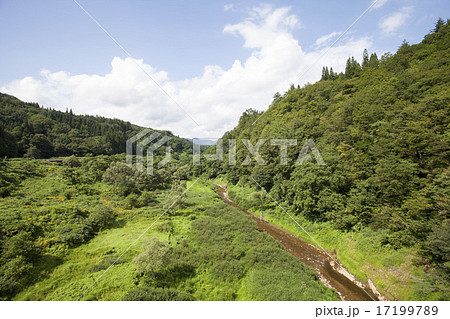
column 43, row 268
column 118, row 224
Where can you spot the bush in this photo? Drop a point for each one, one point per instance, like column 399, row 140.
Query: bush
column 165, row 227
column 13, row 276
column 97, row 168
column 125, row 178
column 85, row 189
column 156, row 255
column 146, row 198
column 75, row 234
column 106, row 263
column 17, row 255
column 182, row 173
column 103, row 216
column 69, row 193
column 21, row 244
column 71, row 162
column 132, row 201
column 233, row 177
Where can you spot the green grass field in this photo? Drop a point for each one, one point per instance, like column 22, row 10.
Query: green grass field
column 216, row 252
column 69, row 280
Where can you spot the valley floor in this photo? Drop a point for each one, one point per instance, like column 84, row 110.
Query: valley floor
column 214, row 251
column 392, row 272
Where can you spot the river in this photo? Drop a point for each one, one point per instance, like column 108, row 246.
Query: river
column 330, row 272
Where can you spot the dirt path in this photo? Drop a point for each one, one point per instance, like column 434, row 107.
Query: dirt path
column 331, row 274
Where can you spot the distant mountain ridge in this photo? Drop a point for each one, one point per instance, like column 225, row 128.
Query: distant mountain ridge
column 200, row 141
column 26, row 129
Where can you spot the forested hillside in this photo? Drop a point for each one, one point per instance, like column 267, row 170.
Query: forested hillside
column 383, row 130
column 62, row 225
column 31, row 131
column 380, row 204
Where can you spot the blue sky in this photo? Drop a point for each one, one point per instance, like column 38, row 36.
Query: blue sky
column 214, row 58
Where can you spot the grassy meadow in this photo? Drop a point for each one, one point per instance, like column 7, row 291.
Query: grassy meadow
column 79, row 225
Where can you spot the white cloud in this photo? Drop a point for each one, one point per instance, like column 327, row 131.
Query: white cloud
column 216, row 99
column 394, row 21
column 326, row 39
column 378, row 3
column 228, row 7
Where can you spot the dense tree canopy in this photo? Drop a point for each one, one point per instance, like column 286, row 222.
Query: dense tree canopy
column 29, row 130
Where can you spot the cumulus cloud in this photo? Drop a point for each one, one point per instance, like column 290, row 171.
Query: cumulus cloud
column 216, row 99
column 394, row 21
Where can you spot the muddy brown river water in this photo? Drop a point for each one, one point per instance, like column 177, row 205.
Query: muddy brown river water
column 312, row 256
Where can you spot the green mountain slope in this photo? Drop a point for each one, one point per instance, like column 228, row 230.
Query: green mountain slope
column 29, row 130
column 383, row 130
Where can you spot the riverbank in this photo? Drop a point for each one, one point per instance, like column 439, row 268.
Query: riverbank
column 392, row 272
column 330, row 271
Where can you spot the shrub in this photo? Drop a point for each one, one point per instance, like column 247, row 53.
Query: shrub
column 75, row 234
column 85, row 189
column 103, row 216
column 106, row 263
column 233, row 177
column 21, row 244
column 146, row 198
column 97, row 168
column 156, row 255
column 182, row 173
column 165, row 227
column 125, row 178
column 132, row 201
column 263, row 178
column 71, row 162
column 72, row 174
column 13, row 276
